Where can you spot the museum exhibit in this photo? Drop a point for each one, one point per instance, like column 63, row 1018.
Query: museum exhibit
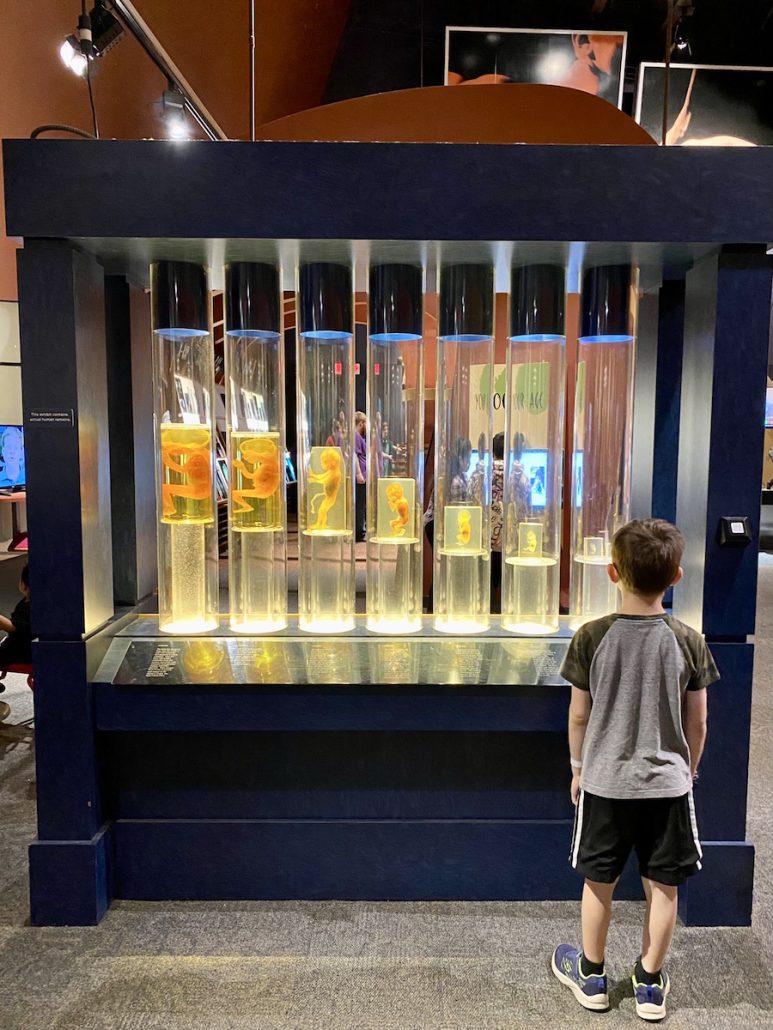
column 326, row 432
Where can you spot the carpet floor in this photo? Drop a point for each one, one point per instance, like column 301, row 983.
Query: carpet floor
column 362, row 966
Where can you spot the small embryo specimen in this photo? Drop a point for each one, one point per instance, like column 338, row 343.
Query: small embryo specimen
column 263, row 457
column 463, row 528
column 330, row 480
column 399, row 505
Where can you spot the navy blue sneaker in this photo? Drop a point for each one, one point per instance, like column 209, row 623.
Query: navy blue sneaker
column 590, row 991
column 651, row 998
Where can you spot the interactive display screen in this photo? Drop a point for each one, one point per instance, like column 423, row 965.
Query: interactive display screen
column 769, row 408
column 578, row 471
column 535, row 465
column 12, row 468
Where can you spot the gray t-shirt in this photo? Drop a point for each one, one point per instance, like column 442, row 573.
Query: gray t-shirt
column 637, row 669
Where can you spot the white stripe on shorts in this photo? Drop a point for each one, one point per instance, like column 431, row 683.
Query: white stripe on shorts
column 694, row 825
column 578, row 828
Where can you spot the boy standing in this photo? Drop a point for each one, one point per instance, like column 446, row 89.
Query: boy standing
column 637, row 726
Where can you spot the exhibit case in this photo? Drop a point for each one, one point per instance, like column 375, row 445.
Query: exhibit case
column 395, row 409
column 361, row 765
column 603, row 427
column 534, row 450
column 184, row 384
column 255, row 419
column 463, row 425
column 326, row 453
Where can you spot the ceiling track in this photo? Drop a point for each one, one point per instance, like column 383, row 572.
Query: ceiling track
column 150, row 43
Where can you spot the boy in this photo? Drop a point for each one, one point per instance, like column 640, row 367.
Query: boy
column 637, row 726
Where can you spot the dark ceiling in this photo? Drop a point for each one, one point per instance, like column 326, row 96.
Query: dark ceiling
column 398, row 44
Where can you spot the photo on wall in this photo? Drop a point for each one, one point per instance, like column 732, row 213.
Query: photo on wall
column 592, row 62
column 708, row 105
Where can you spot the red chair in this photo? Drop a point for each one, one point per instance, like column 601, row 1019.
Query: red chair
column 21, row 667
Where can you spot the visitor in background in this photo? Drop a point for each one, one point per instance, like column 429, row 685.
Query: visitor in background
column 497, row 513
column 360, row 470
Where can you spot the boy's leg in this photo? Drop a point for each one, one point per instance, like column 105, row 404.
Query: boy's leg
column 659, row 924
column 596, row 916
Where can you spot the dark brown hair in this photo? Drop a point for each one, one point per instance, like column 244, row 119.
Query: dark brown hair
column 647, row 554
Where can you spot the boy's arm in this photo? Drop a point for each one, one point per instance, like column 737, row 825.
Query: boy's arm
column 579, row 713
column 6, row 625
column 694, row 716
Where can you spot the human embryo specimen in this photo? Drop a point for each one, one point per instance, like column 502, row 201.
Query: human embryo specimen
column 259, row 464
column 399, row 505
column 186, row 461
column 330, row 480
column 463, row 528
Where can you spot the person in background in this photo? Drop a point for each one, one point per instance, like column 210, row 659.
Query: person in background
column 460, row 466
column 387, row 449
column 497, row 512
column 637, row 728
column 16, row 648
column 360, row 469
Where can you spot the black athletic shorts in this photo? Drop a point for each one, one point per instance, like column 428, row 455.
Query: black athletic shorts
column 662, row 831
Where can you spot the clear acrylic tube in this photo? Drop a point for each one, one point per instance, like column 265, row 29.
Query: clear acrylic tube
column 603, row 423
column 255, row 413
column 326, row 448
column 463, row 425
column 396, row 449
column 183, row 381
column 534, row 425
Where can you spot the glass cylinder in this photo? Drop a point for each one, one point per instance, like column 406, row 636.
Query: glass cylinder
column 255, row 415
column 183, row 383
column 603, row 422
column 396, row 466
column 463, row 425
column 326, row 448
column 534, row 425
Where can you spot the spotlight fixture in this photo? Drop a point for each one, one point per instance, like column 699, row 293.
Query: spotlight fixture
column 97, row 33
column 684, row 9
column 72, row 56
column 174, row 114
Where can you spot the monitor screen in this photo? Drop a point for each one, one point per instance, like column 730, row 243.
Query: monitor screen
column 290, row 473
column 578, row 473
column 769, row 408
column 12, row 469
column 535, row 465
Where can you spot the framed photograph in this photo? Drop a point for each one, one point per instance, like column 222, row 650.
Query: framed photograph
column 709, row 105
column 592, row 62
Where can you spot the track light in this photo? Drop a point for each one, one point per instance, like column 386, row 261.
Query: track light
column 97, row 33
column 174, row 114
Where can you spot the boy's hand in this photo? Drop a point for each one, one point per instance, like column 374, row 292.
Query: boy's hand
column 574, row 790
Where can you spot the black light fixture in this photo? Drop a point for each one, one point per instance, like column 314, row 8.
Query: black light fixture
column 97, row 32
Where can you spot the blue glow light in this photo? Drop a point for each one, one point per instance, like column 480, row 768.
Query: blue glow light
column 395, row 338
column 253, row 334
column 326, row 334
column 182, row 334
column 466, row 338
column 606, row 339
column 539, row 338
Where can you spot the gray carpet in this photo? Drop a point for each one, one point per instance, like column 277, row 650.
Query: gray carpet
column 277, row 966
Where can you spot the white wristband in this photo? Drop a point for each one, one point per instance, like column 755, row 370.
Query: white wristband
column 575, row 764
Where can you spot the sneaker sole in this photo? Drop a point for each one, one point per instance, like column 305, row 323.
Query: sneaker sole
column 599, row 1003
column 653, row 1013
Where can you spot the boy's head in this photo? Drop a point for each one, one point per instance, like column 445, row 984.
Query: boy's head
column 647, row 555
column 498, row 446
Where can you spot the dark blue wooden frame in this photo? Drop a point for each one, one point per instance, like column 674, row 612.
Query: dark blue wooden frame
column 459, row 816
